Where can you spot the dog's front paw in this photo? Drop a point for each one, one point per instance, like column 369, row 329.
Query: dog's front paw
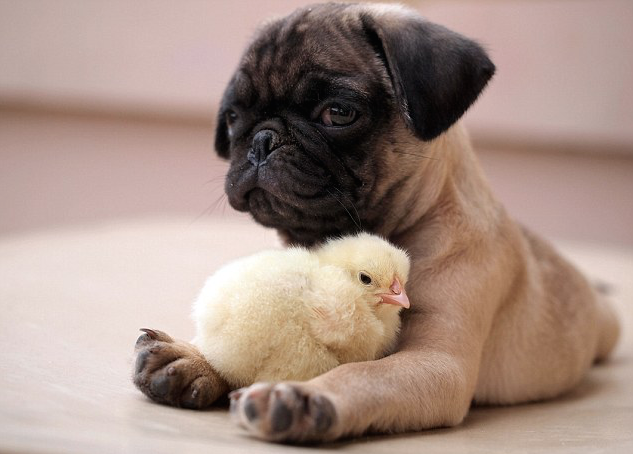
column 174, row 372
column 285, row 412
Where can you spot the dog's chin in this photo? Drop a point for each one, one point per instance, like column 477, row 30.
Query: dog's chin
column 301, row 221
column 302, row 206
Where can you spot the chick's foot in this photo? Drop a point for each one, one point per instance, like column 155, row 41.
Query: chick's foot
column 174, row 372
column 284, row 412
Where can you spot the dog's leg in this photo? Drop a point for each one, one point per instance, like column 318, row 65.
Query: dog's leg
column 413, row 389
column 174, row 372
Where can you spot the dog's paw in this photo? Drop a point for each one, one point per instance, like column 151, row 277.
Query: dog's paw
column 284, row 412
column 174, row 372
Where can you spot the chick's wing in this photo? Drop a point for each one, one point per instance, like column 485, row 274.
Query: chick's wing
column 331, row 305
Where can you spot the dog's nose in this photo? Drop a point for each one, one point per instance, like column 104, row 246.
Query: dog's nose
column 264, row 143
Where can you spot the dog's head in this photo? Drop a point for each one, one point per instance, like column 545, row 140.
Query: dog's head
column 323, row 103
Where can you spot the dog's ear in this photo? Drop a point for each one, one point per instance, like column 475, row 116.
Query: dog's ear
column 436, row 73
column 222, row 143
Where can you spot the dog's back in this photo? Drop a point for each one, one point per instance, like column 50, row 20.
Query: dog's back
column 548, row 331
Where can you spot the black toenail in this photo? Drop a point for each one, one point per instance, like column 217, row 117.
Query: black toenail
column 141, row 359
column 281, row 417
column 322, row 420
column 143, row 338
column 150, row 333
column 234, row 407
column 160, row 386
column 235, row 394
column 322, row 412
column 190, row 401
column 251, row 412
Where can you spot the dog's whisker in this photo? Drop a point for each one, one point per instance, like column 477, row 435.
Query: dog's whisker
column 225, row 201
column 202, row 214
column 220, row 202
column 215, row 179
column 416, row 155
column 211, row 208
column 346, row 210
column 360, row 223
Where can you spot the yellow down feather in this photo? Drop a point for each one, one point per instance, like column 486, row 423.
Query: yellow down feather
column 296, row 313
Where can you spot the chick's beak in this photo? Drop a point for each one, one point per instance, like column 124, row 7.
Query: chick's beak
column 397, row 296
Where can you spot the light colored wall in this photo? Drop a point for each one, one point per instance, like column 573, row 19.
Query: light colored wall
column 563, row 87
column 136, row 55
column 564, row 67
column 564, row 71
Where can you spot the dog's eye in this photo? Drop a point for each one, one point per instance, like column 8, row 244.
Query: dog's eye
column 230, row 117
column 337, row 115
column 364, row 278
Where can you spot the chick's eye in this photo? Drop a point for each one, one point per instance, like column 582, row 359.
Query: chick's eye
column 364, row 278
column 337, row 115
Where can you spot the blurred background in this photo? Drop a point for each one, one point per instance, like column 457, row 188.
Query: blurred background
column 107, row 109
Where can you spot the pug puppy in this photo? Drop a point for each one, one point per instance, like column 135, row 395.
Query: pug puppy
column 344, row 117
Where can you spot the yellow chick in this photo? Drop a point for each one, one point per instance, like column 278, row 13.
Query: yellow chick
column 296, row 313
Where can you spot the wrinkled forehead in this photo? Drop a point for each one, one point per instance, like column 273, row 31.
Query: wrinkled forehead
column 306, row 52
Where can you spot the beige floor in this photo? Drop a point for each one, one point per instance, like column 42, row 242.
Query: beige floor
column 72, row 300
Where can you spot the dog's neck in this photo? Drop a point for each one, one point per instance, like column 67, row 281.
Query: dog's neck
column 446, row 186
column 453, row 194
